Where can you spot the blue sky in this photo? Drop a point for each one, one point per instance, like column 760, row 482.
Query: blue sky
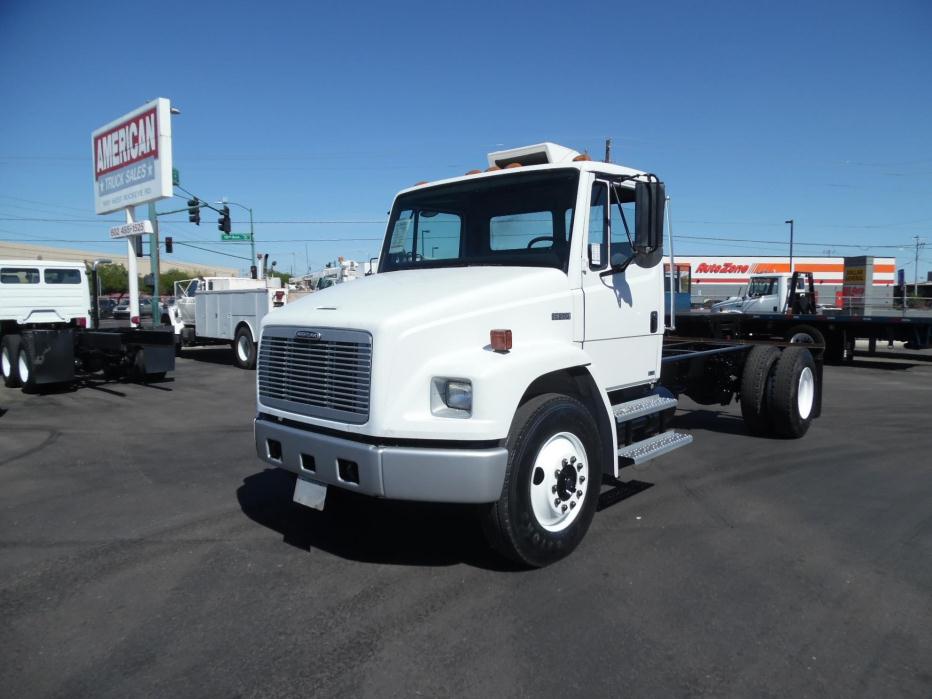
column 317, row 113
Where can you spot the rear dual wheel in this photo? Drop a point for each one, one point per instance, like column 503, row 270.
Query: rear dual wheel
column 778, row 391
column 9, row 360
column 552, row 482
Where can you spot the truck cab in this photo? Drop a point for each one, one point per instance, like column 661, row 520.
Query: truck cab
column 507, row 353
column 770, row 293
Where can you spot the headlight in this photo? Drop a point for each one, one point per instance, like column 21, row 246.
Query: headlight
column 451, row 397
column 458, row 395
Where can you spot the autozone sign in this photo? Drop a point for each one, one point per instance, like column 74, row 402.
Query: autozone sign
column 722, row 268
column 132, row 158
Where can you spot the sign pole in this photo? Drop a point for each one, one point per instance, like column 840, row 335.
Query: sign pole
column 132, row 272
column 156, row 304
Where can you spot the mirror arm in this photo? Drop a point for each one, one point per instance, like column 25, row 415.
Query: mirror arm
column 618, row 269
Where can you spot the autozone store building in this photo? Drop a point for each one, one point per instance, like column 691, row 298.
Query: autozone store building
column 714, row 277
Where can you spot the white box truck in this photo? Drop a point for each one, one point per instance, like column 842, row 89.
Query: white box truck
column 510, row 352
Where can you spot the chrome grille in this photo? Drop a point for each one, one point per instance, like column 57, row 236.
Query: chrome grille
column 321, row 372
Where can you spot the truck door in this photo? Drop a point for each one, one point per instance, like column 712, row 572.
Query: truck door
column 623, row 327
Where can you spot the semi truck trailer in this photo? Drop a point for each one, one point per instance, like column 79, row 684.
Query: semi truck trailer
column 510, row 352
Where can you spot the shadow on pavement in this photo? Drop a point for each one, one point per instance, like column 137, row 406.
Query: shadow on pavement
column 709, row 419
column 367, row 529
column 620, row 490
column 215, row 354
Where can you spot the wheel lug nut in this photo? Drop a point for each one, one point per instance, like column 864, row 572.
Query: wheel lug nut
column 582, row 479
column 565, row 462
column 553, row 489
column 556, row 502
column 563, row 509
column 579, row 466
column 579, row 493
column 556, row 474
column 572, row 459
column 572, row 503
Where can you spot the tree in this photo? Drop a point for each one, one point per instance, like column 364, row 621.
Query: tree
column 114, row 279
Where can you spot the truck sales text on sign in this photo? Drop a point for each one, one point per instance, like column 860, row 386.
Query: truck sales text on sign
column 132, row 158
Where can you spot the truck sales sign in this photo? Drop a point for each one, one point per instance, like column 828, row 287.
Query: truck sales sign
column 133, row 158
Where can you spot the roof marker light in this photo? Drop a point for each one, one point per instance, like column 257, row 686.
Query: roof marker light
column 509, row 166
column 474, row 172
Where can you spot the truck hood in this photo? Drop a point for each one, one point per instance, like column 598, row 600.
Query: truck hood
column 411, row 298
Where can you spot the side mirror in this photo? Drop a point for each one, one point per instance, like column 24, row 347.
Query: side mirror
column 649, row 198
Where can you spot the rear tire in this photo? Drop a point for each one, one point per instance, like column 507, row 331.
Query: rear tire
column 794, row 393
column 9, row 358
column 244, row 349
column 756, row 389
column 554, row 462
column 25, row 367
column 805, row 335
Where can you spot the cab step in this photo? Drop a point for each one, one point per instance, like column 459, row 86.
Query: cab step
column 648, row 405
column 652, row 447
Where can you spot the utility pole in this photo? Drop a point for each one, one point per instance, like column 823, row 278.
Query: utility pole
column 155, row 303
column 790, row 221
column 608, row 150
column 916, row 271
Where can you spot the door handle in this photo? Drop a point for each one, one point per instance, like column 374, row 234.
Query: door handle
column 653, row 321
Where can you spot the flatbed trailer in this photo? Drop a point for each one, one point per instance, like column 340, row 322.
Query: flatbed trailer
column 835, row 331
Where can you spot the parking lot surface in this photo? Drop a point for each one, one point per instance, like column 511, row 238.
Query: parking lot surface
column 144, row 550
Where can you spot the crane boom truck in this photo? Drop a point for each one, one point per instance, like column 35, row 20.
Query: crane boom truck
column 510, row 352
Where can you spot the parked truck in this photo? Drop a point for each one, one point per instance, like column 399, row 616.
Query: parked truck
column 49, row 332
column 224, row 310
column 509, row 352
column 785, row 307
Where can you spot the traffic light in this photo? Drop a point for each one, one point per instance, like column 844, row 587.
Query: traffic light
column 223, row 223
column 168, row 244
column 194, row 211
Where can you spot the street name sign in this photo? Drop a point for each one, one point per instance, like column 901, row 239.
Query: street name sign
column 234, row 236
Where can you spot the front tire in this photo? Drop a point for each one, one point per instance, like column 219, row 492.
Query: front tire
column 552, row 482
column 244, row 349
column 9, row 360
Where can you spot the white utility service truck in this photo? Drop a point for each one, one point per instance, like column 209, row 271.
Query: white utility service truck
column 509, row 352
column 48, row 333
column 224, row 310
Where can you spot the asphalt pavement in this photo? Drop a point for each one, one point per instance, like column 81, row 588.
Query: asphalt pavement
column 145, row 551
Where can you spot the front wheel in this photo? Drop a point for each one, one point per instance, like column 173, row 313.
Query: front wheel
column 244, row 349
column 552, row 482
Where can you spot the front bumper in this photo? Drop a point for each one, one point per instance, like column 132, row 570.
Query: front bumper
column 428, row 474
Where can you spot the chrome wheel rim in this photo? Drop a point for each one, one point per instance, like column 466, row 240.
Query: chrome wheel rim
column 23, row 368
column 805, row 393
column 559, row 481
column 802, row 339
column 5, row 364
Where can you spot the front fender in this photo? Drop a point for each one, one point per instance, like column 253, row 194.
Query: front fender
column 499, row 381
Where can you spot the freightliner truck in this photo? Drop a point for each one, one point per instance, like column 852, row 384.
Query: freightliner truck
column 49, row 333
column 510, row 352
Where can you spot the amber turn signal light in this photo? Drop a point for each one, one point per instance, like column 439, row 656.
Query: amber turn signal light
column 500, row 340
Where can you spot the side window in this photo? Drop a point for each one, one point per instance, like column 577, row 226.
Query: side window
column 532, row 230
column 597, row 248
column 62, row 276
column 622, row 221
column 19, row 275
column 426, row 235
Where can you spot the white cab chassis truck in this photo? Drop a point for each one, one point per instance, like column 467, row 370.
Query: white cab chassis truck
column 224, row 310
column 510, row 352
column 47, row 335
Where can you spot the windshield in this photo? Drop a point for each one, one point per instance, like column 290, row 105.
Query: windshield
column 761, row 286
column 516, row 219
